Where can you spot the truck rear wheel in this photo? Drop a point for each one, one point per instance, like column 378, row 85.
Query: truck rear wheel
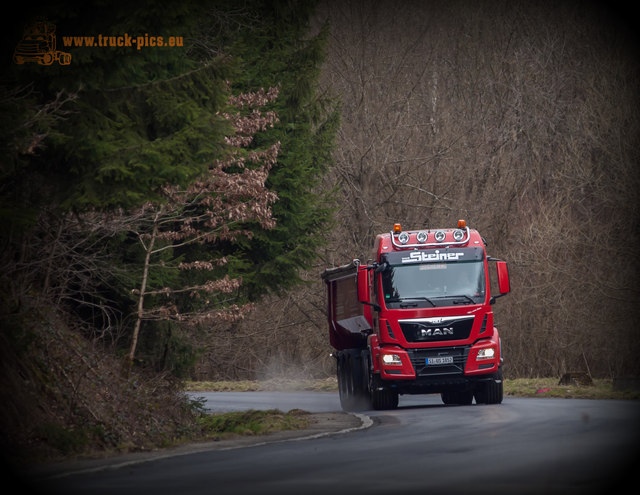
column 351, row 382
column 490, row 392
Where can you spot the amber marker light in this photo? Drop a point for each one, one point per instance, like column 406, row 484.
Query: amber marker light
column 397, row 228
column 462, row 224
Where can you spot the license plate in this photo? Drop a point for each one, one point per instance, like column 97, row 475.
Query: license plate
column 439, row 360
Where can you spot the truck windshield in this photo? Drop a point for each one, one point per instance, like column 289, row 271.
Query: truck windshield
column 433, row 284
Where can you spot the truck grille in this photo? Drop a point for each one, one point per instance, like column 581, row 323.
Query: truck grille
column 419, row 361
column 437, row 329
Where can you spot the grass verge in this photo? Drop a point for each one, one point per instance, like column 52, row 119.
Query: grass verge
column 252, row 422
column 271, row 385
column 549, row 387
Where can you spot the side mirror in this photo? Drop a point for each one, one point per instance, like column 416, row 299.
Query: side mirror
column 363, row 284
column 503, row 277
column 363, row 287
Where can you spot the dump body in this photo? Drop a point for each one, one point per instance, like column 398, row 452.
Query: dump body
column 418, row 319
column 348, row 318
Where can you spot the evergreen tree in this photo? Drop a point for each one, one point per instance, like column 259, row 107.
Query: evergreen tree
column 142, row 118
column 106, row 132
column 277, row 51
column 112, row 129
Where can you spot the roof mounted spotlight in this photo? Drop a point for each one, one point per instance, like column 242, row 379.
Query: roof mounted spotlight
column 403, row 237
column 422, row 238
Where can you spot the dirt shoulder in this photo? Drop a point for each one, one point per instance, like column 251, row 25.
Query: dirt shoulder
column 321, row 424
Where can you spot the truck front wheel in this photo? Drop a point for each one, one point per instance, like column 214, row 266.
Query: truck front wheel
column 490, row 392
column 461, row 398
column 384, row 399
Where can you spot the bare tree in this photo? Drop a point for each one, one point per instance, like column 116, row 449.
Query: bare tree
column 215, row 208
column 519, row 118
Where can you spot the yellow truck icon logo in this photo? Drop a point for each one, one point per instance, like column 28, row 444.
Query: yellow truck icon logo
column 38, row 44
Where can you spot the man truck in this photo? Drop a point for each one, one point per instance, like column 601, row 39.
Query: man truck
column 417, row 319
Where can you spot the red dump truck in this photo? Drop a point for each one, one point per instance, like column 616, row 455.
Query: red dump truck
column 417, row 319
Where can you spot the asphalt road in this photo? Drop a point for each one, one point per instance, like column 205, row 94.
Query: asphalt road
column 537, row 446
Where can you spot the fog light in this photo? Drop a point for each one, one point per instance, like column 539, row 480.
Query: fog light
column 488, row 353
column 391, row 359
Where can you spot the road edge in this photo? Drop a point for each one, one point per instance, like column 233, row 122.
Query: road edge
column 88, row 466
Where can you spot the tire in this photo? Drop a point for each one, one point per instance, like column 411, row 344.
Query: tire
column 379, row 398
column 351, row 383
column 463, row 398
column 344, row 382
column 490, row 392
column 384, row 399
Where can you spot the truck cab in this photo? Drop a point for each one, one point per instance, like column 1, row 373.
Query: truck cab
column 417, row 319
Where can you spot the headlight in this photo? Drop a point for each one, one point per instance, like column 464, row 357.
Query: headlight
column 440, row 235
column 487, row 353
column 458, row 235
column 421, row 236
column 391, row 359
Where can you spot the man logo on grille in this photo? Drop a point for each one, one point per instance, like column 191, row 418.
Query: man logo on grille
column 434, row 332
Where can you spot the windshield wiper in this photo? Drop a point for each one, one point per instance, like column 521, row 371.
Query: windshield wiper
column 467, row 298
column 401, row 300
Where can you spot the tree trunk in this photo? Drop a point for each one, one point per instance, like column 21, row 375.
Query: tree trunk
column 143, row 288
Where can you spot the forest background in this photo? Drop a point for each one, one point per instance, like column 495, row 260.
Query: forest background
column 166, row 212
column 520, row 117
